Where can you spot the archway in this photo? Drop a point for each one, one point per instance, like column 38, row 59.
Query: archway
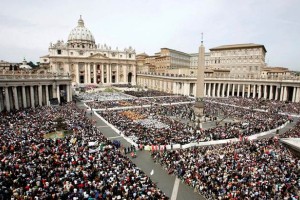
column 129, row 77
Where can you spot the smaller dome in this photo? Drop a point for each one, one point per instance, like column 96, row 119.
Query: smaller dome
column 24, row 65
column 81, row 34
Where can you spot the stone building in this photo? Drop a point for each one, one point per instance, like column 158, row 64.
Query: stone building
column 88, row 62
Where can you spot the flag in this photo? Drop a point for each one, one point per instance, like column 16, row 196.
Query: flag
column 152, row 172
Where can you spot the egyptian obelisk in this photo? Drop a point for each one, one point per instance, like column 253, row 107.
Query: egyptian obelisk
column 199, row 105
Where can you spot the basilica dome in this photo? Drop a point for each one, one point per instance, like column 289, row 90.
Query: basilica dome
column 80, row 36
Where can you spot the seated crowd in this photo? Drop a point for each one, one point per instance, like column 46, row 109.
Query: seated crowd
column 34, row 167
column 103, row 96
column 262, row 169
column 264, row 104
column 249, row 123
column 149, row 93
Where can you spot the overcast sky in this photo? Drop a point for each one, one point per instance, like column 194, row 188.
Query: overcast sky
column 27, row 27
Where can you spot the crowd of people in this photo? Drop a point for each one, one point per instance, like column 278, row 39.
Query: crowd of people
column 248, row 122
column 83, row 165
column 262, row 169
column 117, row 103
column 263, row 104
column 103, row 96
column 148, row 93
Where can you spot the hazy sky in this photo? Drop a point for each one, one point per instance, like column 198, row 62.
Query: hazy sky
column 27, row 27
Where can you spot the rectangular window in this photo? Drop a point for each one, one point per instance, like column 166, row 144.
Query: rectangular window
column 129, row 55
column 58, row 51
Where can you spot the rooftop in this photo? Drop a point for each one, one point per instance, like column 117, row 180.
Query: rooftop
column 238, row 46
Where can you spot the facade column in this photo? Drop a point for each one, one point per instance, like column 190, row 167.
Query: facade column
column 77, row 72
column 285, row 94
column 24, row 97
column 265, row 91
column 186, row 91
column 214, row 90
column 117, row 76
column 7, row 102
column 209, row 85
column 32, row 96
column 125, row 74
column 102, row 72
column 254, row 91
column 243, row 90
column 204, row 88
column 40, row 95
column 47, row 95
column 110, row 73
column 259, row 91
column 58, row 93
column 95, row 73
column 85, row 73
column 233, row 90
column 271, row 92
column 228, row 89
column 249, row 91
column 68, row 93
column 15, row 97
column 107, row 73
column 238, row 90
column 134, row 75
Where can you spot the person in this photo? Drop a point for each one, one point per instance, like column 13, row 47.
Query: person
column 133, row 154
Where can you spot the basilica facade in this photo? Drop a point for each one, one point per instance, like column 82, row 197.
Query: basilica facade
column 89, row 63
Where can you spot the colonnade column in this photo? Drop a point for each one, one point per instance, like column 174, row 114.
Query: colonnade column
column 24, row 97
column 259, row 91
column 209, row 85
column 297, row 95
column 110, row 72
column 223, row 89
column 40, row 95
column 276, row 92
column 254, row 91
column 32, row 96
column 271, row 92
column 15, row 97
column 219, row 90
column 228, row 88
column 238, row 90
column 265, row 91
column 214, row 90
column 249, row 91
column 233, row 90
column 285, row 94
column 68, row 93
column 58, row 93
column 204, row 89
column 243, row 90
column 7, row 102
column 294, row 94
column 47, row 95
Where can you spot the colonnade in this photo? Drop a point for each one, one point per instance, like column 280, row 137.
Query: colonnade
column 266, row 91
column 273, row 90
column 14, row 97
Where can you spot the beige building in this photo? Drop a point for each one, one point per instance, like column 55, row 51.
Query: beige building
column 240, row 59
column 88, row 62
column 246, row 60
